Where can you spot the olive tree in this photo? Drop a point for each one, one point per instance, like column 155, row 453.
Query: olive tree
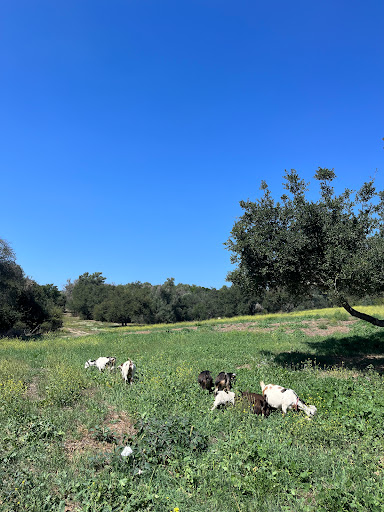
column 334, row 244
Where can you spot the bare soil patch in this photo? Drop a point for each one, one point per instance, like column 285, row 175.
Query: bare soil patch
column 325, row 331
column 254, row 327
column 189, row 328
column 76, row 332
column 244, row 367
column 318, row 327
column 72, row 507
column 86, row 444
column 32, row 391
column 118, row 423
column 321, row 327
column 246, row 326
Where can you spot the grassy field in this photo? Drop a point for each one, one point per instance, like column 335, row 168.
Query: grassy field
column 62, row 428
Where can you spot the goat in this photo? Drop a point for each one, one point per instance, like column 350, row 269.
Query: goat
column 128, row 370
column 224, row 381
column 102, row 363
column 205, row 380
column 284, row 399
column 223, row 398
column 257, row 402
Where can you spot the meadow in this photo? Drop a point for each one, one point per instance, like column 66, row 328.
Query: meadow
column 63, row 428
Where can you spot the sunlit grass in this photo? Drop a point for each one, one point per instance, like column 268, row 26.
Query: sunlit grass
column 186, row 456
column 328, row 313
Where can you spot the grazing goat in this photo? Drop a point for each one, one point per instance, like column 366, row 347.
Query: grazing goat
column 223, row 398
column 257, row 402
column 224, row 381
column 128, row 370
column 205, row 380
column 102, row 363
column 284, row 399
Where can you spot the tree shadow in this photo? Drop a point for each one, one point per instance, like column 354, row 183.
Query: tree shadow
column 353, row 352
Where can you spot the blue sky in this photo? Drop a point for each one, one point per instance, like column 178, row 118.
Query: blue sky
column 131, row 129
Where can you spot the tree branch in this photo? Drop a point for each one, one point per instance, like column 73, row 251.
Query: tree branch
column 367, row 318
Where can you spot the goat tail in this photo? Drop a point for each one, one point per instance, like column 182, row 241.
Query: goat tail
column 262, row 385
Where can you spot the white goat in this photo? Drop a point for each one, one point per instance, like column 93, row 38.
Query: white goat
column 222, row 398
column 128, row 370
column 284, row 399
column 102, row 363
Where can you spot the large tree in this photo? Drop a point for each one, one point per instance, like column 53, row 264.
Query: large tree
column 334, row 245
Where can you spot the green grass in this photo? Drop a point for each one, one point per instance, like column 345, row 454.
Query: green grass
column 62, row 428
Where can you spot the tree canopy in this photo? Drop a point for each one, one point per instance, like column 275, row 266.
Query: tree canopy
column 87, row 291
column 25, row 306
column 334, row 245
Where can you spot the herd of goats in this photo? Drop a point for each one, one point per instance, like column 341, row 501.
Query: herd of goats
column 272, row 397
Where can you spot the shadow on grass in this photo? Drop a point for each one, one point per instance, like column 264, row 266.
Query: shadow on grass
column 353, row 352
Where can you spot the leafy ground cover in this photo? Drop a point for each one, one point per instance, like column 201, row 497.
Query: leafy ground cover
column 63, row 428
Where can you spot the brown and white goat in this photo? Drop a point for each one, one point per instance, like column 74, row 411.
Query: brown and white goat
column 128, row 370
column 284, row 399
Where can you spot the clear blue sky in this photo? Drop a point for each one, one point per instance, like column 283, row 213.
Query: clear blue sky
column 131, row 129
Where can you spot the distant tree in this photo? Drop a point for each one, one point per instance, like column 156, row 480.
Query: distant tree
column 125, row 304
column 234, row 301
column 67, row 291
column 333, row 246
column 88, row 290
column 119, row 305
column 164, row 296
column 142, row 305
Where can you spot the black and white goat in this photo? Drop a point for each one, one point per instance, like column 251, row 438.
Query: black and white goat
column 101, row 363
column 224, row 381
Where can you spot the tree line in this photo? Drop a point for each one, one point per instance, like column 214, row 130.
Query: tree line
column 27, row 308
column 91, row 298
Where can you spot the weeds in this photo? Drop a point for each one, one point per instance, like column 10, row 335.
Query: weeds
column 185, row 457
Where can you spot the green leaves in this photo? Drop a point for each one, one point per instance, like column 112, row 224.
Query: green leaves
column 304, row 246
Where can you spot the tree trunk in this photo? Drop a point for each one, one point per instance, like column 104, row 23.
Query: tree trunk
column 362, row 316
